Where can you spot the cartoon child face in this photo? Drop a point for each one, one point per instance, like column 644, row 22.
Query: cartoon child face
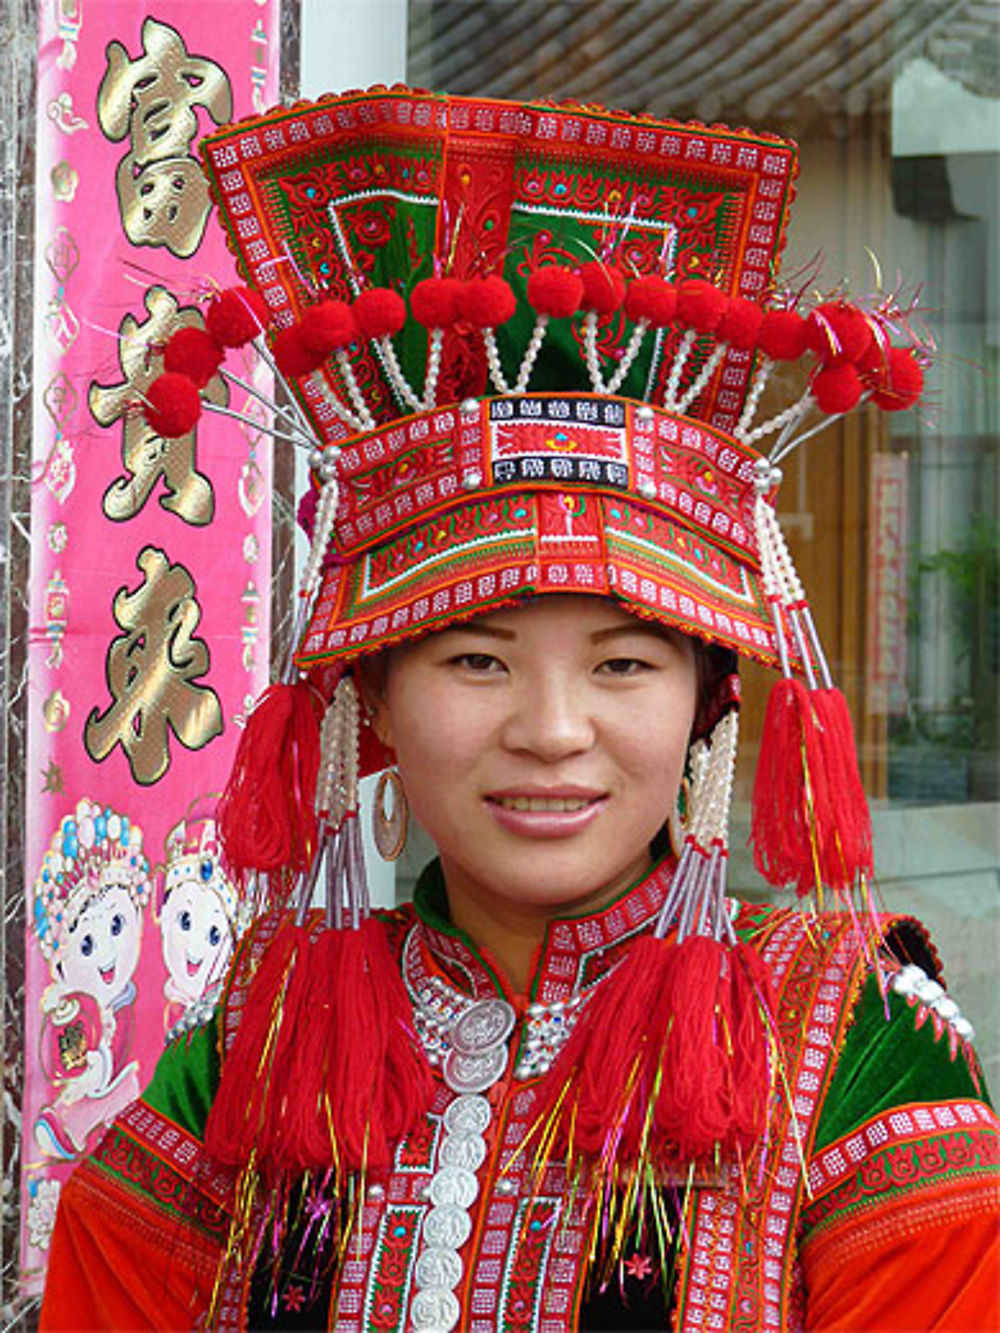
column 101, row 951
column 197, row 938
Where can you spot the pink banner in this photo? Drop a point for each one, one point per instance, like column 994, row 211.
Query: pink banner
column 150, row 565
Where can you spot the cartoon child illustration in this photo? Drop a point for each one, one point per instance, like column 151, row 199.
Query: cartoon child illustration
column 88, row 904
column 198, row 917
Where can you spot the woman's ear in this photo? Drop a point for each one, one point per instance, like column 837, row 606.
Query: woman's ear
column 372, row 678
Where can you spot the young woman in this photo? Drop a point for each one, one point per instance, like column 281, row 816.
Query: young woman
column 574, row 1084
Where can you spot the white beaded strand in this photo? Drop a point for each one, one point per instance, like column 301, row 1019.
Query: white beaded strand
column 531, row 353
column 680, row 360
column 353, row 389
column 493, row 363
column 590, row 351
column 760, row 379
column 628, row 356
column 433, row 369
column 706, row 373
column 396, row 377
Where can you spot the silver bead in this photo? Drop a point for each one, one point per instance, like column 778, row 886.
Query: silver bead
column 644, row 413
column 928, row 991
column 376, row 1192
column 908, row 978
column 506, row 1186
column 472, row 480
column 469, row 407
column 316, row 456
column 647, row 488
column 946, row 1007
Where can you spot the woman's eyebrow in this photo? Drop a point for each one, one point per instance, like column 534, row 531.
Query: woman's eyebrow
column 486, row 630
column 640, row 627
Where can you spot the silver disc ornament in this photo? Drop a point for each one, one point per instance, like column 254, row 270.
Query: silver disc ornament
column 474, row 1073
column 485, row 1024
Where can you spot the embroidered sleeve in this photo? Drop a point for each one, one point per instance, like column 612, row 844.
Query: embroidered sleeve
column 900, row 1227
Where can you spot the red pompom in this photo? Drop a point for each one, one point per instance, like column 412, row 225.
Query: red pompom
column 899, row 381
column 194, row 353
column 236, row 316
column 293, row 357
column 435, row 302
column 651, row 299
column 839, row 332
column 555, row 291
column 782, row 335
column 700, row 305
column 172, row 405
column 486, row 303
column 328, row 327
column 837, row 389
column 379, row 312
column 740, row 323
column 603, row 287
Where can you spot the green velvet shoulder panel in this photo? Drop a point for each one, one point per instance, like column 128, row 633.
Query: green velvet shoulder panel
column 887, row 1061
column 186, row 1077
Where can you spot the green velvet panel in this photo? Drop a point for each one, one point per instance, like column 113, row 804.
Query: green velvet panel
column 887, row 1061
column 184, row 1083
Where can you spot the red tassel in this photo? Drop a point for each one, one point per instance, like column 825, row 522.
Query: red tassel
column 609, row 1061
column 810, row 818
column 780, row 828
column 847, row 849
column 694, row 1108
column 241, row 1121
column 266, row 815
column 324, row 1069
column 752, row 1010
column 649, row 1044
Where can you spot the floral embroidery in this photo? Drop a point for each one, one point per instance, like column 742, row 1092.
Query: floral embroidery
column 639, row 1266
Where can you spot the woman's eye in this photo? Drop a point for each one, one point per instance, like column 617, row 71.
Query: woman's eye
column 214, row 936
column 117, row 924
column 87, row 945
column 184, row 920
column 479, row 663
column 623, row 666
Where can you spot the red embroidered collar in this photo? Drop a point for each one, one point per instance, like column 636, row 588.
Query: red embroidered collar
column 576, row 952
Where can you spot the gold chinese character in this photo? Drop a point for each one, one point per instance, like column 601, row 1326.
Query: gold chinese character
column 145, row 455
column 162, row 195
column 151, row 669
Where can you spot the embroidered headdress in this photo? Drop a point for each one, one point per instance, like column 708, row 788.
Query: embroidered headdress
column 528, row 347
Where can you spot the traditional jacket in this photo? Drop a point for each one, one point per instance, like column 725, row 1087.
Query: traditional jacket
column 874, row 1205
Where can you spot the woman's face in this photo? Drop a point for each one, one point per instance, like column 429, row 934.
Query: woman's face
column 541, row 747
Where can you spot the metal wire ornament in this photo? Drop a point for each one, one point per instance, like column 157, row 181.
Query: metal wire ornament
column 389, row 827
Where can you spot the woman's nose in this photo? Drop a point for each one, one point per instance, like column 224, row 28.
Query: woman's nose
column 549, row 718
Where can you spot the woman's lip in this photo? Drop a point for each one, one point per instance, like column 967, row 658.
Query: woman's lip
column 546, row 823
column 567, row 793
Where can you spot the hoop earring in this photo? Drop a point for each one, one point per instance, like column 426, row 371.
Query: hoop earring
column 389, row 828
